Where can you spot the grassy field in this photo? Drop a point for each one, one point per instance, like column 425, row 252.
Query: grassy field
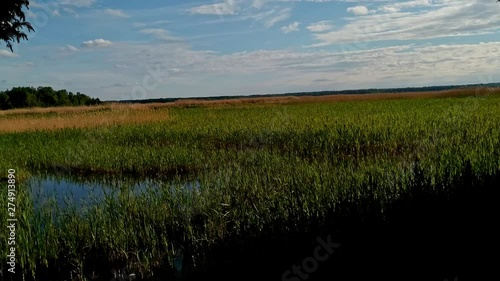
column 390, row 178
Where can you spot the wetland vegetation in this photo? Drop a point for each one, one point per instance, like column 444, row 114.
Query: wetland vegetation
column 407, row 187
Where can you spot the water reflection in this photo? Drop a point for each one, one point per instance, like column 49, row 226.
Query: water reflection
column 77, row 192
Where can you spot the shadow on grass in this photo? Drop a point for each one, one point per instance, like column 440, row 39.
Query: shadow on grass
column 445, row 232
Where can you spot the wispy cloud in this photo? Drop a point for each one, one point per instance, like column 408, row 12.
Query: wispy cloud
column 116, row 13
column 275, row 16
column 321, row 26
column 152, row 23
column 161, row 34
column 259, row 3
column 226, row 7
column 77, row 3
column 70, row 48
column 58, row 7
column 398, row 6
column 291, row 27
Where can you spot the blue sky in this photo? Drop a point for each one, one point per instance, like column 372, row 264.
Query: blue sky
column 152, row 49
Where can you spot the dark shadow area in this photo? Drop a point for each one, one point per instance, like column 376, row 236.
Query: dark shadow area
column 446, row 232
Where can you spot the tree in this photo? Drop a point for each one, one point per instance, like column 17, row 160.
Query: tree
column 47, row 96
column 18, row 97
column 22, row 97
column 13, row 22
column 62, row 97
column 4, row 101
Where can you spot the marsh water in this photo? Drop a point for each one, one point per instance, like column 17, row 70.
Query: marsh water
column 83, row 191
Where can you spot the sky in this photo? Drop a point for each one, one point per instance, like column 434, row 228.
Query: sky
column 123, row 50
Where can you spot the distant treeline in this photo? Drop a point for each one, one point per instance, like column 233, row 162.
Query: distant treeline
column 325, row 93
column 21, row 97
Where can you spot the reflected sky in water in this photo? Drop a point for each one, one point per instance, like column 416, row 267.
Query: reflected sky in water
column 78, row 191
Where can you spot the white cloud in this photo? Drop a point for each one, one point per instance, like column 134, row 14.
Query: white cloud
column 8, row 54
column 97, row 43
column 475, row 18
column 358, row 10
column 226, row 7
column 116, row 13
column 321, row 26
column 390, row 9
column 291, row 27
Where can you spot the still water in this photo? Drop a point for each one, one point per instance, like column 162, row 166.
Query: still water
column 79, row 191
